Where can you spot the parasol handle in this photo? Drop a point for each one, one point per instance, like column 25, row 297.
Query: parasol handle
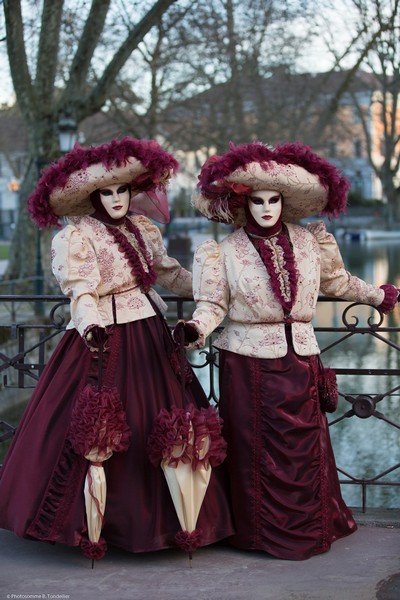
column 100, row 366
column 108, row 373
column 182, row 357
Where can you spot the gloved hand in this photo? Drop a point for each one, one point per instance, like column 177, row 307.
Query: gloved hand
column 184, row 330
column 391, row 298
column 96, row 337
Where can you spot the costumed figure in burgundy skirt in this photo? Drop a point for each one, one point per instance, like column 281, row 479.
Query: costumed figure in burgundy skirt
column 78, row 471
column 263, row 281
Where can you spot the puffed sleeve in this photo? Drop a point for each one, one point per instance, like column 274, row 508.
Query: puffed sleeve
column 335, row 280
column 75, row 267
column 210, row 290
column 170, row 273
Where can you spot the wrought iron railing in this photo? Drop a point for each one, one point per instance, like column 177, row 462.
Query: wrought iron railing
column 30, row 326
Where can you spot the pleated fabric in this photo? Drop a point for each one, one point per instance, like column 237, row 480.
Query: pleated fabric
column 284, row 486
column 42, row 479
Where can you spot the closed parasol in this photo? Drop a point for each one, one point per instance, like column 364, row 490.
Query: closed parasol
column 187, row 443
column 98, row 429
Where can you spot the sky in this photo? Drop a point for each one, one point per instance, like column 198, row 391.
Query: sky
column 6, row 87
column 317, row 61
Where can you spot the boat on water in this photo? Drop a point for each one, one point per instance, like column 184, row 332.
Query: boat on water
column 365, row 235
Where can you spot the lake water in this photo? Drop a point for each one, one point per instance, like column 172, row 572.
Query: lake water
column 364, row 448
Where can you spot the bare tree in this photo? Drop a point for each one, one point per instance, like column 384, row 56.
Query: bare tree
column 383, row 62
column 56, row 72
column 208, row 67
column 374, row 47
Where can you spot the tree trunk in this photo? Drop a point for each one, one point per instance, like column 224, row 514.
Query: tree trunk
column 22, row 247
column 42, row 103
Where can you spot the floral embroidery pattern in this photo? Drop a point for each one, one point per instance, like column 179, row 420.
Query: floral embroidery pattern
column 102, row 273
column 86, row 267
column 135, row 303
column 106, row 262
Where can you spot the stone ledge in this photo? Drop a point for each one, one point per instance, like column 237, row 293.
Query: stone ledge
column 378, row 517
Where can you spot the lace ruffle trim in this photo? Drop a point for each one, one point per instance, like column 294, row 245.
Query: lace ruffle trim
column 187, row 435
column 99, row 421
column 144, row 276
column 282, row 271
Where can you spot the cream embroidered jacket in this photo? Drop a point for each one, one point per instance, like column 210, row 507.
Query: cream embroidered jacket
column 230, row 280
column 91, row 270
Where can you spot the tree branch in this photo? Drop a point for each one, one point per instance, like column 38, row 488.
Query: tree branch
column 334, row 103
column 99, row 94
column 87, row 45
column 20, row 75
column 47, row 58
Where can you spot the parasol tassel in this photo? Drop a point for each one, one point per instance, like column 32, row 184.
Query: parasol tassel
column 189, row 542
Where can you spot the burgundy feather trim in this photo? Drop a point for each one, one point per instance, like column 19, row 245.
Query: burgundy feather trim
column 116, row 153
column 188, row 435
column 218, row 167
column 98, row 421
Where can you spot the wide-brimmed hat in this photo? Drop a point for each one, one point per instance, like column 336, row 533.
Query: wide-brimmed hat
column 309, row 184
column 65, row 186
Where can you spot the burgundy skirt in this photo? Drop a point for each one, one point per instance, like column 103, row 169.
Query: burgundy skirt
column 42, row 480
column 284, row 486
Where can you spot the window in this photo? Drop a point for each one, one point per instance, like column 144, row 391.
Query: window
column 358, row 182
column 356, row 115
column 357, row 149
column 332, row 149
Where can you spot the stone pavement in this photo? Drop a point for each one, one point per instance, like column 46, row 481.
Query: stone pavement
column 364, row 566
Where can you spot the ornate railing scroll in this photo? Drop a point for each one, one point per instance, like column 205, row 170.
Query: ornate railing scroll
column 369, row 380
column 362, row 403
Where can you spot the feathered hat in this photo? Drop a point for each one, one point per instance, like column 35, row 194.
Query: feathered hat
column 309, row 184
column 65, row 186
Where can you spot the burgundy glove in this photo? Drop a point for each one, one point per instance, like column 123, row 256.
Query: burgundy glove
column 390, row 299
column 187, row 331
column 96, row 337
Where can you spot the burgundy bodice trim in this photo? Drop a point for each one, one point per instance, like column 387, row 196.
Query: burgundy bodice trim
column 145, row 278
column 284, row 275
